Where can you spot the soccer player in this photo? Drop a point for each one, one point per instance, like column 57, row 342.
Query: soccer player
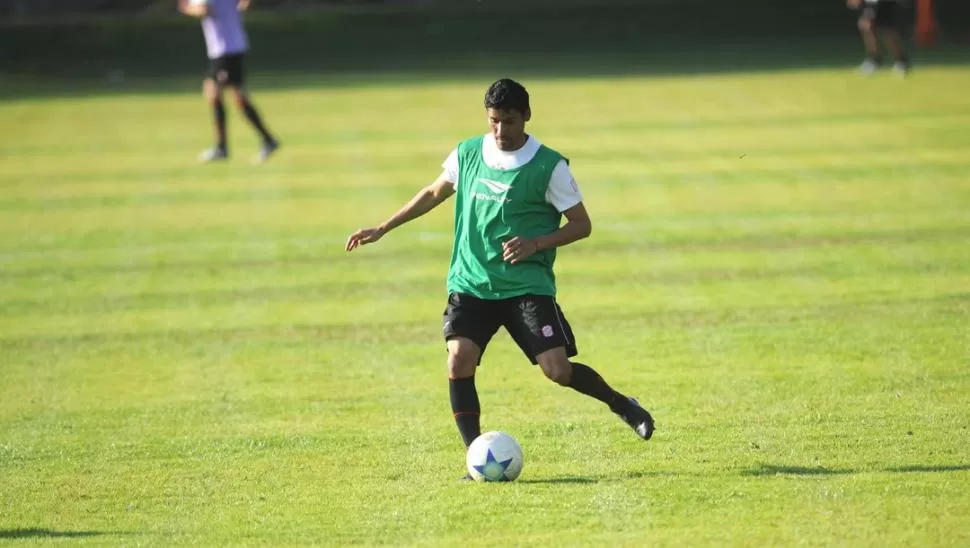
column 511, row 194
column 226, row 45
column 881, row 19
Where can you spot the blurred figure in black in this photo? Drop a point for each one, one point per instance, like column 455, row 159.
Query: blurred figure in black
column 881, row 19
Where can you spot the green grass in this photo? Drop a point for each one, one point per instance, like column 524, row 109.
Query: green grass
column 779, row 269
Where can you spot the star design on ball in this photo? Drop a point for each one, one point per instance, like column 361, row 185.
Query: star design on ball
column 492, row 469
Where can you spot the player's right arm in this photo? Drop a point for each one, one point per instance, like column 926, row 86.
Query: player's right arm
column 424, row 201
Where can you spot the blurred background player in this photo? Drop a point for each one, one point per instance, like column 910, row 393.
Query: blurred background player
column 226, row 45
column 880, row 19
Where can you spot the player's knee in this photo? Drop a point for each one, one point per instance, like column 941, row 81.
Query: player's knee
column 462, row 360
column 558, row 371
column 865, row 24
column 459, row 369
column 239, row 96
column 210, row 90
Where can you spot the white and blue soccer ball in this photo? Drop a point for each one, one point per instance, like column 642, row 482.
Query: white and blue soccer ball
column 494, row 456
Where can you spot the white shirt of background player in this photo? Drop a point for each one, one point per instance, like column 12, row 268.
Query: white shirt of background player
column 223, row 28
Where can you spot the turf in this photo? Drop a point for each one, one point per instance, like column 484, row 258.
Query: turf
column 779, row 270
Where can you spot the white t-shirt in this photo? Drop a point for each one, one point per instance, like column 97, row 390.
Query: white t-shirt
column 223, row 28
column 563, row 193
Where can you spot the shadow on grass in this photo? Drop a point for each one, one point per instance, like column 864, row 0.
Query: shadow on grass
column 931, row 468
column 603, row 479
column 760, row 471
column 38, row 532
column 560, row 480
column 775, row 470
column 653, row 474
column 780, row 470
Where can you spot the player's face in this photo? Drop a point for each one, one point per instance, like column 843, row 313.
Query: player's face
column 508, row 128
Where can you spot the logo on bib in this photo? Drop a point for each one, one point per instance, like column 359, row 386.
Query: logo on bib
column 496, row 191
column 497, row 187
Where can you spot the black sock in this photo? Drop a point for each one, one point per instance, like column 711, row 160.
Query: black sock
column 587, row 381
column 219, row 118
column 466, row 408
column 253, row 116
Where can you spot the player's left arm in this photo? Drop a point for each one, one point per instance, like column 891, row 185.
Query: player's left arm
column 564, row 195
column 194, row 8
column 577, row 227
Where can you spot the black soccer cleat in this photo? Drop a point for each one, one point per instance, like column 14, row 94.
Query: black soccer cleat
column 466, row 477
column 638, row 418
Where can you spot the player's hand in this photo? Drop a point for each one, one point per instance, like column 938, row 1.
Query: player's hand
column 364, row 236
column 518, row 249
column 853, row 3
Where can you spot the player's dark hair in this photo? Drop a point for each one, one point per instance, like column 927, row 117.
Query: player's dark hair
column 506, row 94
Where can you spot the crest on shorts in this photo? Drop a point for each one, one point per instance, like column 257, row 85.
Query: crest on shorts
column 547, row 331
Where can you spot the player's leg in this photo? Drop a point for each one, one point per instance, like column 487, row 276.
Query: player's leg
column 463, row 356
column 235, row 77
column 866, row 24
column 212, row 91
column 538, row 326
column 894, row 44
column 585, row 380
column 469, row 323
column 887, row 26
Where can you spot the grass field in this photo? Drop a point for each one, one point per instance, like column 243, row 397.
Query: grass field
column 779, row 269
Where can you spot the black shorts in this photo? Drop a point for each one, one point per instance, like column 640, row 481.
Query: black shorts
column 227, row 70
column 882, row 14
column 535, row 322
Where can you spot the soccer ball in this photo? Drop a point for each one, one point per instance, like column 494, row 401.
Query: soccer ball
column 494, row 456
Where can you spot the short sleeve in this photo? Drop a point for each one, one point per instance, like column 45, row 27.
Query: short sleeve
column 563, row 192
column 451, row 167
